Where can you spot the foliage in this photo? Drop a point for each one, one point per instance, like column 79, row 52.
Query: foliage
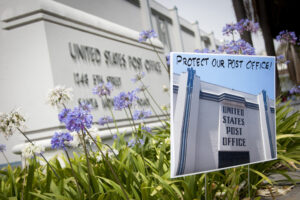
column 149, row 179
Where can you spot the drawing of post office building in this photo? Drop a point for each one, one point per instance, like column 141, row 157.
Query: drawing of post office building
column 216, row 127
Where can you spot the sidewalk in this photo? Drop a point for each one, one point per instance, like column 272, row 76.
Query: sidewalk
column 294, row 193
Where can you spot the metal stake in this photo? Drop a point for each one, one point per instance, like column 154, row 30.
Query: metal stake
column 249, row 181
column 205, row 187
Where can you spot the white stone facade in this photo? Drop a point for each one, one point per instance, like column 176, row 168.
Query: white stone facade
column 36, row 37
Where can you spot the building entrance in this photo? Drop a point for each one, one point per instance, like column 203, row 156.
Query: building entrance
column 231, row 158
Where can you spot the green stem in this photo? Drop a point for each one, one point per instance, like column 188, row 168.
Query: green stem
column 73, row 172
column 142, row 148
column 91, row 149
column 23, row 185
column 40, row 153
column 156, row 115
column 132, row 125
column 166, row 68
column 153, row 99
column 132, row 119
column 64, row 105
column 38, row 174
column 110, row 166
column 111, row 149
column 5, row 158
column 112, row 114
column 109, row 130
column 88, row 165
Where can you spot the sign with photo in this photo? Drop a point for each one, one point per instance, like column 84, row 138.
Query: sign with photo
column 222, row 111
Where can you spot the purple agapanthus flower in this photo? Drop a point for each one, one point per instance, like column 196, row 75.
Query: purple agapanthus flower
column 144, row 35
column 146, row 128
column 133, row 142
column 142, row 141
column 78, row 119
column 115, row 137
column 138, row 77
column 295, row 90
column 63, row 114
column 238, row 47
column 85, row 106
column 125, row 100
column 103, row 89
column 287, row 37
column 105, row 120
column 2, row 147
column 168, row 59
column 246, row 25
column 141, row 114
column 228, row 29
column 281, row 59
column 61, row 140
column 241, row 26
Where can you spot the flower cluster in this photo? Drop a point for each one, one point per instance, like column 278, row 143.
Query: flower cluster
column 144, row 35
column 287, row 37
column 295, row 90
column 141, row 114
column 59, row 96
column 77, row 119
column 281, row 60
column 30, row 150
column 103, row 89
column 105, row 120
column 241, row 26
column 10, row 122
column 238, row 47
column 228, row 29
column 60, row 140
column 138, row 77
column 133, row 142
column 124, row 100
column 247, row 25
column 146, row 128
column 2, row 147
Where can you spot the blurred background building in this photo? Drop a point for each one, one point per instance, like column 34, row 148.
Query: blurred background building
column 175, row 32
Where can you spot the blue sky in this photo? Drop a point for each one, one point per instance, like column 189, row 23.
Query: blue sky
column 252, row 81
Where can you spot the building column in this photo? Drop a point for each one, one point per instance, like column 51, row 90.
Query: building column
column 212, row 40
column 198, row 43
column 146, row 15
column 178, row 43
column 266, row 130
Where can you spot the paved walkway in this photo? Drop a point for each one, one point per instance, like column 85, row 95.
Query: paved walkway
column 294, row 194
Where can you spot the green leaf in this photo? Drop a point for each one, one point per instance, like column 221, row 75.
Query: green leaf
column 264, row 177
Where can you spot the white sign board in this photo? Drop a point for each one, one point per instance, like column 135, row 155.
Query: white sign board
column 222, row 111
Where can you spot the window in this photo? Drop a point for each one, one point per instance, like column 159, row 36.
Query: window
column 206, row 41
column 163, row 33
